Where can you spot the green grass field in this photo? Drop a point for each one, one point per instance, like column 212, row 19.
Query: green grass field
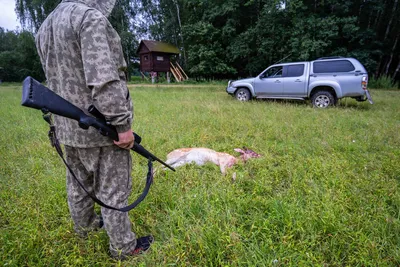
column 325, row 192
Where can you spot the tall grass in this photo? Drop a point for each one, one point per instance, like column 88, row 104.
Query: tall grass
column 325, row 192
column 384, row 82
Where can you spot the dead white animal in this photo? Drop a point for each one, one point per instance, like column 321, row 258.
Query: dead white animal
column 201, row 155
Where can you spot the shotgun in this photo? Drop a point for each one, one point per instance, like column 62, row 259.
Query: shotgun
column 37, row 96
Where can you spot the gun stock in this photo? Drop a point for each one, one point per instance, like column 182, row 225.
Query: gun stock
column 37, row 96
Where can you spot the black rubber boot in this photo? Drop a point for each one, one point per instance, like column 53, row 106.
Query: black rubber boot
column 142, row 245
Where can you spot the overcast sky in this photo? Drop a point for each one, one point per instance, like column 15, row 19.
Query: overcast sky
column 8, row 18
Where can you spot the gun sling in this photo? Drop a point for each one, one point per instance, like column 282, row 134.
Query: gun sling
column 56, row 144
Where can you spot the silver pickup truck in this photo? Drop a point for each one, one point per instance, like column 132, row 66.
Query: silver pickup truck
column 324, row 81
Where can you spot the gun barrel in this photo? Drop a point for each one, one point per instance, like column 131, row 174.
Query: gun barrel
column 142, row 151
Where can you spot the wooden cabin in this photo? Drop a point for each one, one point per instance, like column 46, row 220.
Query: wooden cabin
column 156, row 56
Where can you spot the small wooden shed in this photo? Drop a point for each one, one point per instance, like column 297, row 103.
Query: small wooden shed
column 156, row 56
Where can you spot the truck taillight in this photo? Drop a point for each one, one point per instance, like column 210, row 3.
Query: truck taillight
column 364, row 82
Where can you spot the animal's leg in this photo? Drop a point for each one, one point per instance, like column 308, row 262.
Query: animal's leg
column 172, row 162
column 222, row 167
column 178, row 164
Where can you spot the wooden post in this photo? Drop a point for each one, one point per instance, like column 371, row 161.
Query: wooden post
column 144, row 76
column 168, row 77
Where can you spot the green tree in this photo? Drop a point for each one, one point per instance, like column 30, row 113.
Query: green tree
column 32, row 13
column 221, row 39
column 18, row 57
column 242, row 37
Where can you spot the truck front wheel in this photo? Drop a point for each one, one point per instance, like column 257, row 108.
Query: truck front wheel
column 323, row 99
column 242, row 94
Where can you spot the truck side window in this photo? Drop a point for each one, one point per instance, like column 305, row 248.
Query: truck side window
column 273, row 72
column 295, row 70
column 332, row 66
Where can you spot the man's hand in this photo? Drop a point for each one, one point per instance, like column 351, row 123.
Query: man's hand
column 126, row 140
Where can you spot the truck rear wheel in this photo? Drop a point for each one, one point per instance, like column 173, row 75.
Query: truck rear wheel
column 323, row 99
column 242, row 94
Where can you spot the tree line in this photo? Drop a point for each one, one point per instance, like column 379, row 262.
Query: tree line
column 18, row 56
column 239, row 38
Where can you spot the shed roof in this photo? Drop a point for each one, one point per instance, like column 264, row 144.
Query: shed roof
column 155, row 46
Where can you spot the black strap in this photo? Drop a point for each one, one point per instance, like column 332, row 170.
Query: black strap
column 149, row 179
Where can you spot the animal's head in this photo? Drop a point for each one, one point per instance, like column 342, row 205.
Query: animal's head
column 247, row 153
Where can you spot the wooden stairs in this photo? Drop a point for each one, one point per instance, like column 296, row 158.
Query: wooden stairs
column 178, row 72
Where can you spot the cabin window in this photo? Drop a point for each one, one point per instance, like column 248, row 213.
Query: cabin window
column 146, row 58
column 159, row 58
column 333, row 66
column 294, row 70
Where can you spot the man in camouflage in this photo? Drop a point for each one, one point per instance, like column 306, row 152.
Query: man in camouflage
column 82, row 57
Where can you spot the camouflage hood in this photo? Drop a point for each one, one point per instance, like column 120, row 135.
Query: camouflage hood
column 104, row 6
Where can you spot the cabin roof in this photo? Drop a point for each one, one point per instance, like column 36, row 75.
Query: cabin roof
column 155, row 46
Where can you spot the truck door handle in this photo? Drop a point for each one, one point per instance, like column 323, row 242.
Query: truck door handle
column 277, row 81
column 313, row 75
column 297, row 81
column 334, row 75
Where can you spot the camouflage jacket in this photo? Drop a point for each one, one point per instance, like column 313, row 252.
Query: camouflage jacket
column 82, row 57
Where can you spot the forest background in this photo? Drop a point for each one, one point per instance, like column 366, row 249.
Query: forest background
column 224, row 39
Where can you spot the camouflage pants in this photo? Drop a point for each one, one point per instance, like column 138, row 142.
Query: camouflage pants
column 106, row 172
